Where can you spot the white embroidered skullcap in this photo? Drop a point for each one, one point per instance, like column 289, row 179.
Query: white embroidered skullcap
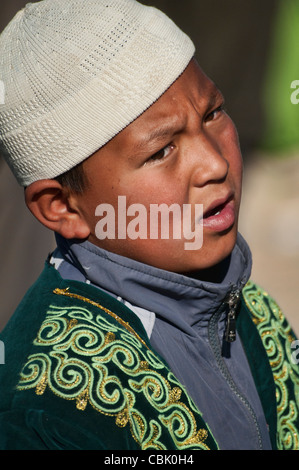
column 75, row 73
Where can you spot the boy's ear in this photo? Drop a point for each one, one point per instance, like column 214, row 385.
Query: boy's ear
column 56, row 208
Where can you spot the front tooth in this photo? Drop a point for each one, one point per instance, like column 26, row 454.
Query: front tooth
column 217, row 213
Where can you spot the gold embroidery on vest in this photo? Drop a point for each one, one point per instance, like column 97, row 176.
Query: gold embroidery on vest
column 277, row 337
column 116, row 317
column 74, row 334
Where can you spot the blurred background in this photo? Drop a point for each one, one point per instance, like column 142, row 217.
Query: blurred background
column 250, row 49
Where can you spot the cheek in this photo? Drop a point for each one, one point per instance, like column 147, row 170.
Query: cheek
column 233, row 154
column 101, row 192
column 155, row 188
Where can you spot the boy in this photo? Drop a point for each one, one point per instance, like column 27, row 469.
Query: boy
column 133, row 341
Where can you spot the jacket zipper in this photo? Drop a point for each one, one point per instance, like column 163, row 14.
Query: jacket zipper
column 232, row 301
column 229, row 336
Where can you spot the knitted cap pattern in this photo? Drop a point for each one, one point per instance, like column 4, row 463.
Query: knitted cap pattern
column 77, row 72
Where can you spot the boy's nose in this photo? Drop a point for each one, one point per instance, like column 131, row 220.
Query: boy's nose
column 210, row 164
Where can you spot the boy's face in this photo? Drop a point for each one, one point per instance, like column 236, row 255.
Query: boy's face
column 183, row 150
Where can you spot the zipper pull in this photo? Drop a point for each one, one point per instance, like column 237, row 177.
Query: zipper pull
column 230, row 330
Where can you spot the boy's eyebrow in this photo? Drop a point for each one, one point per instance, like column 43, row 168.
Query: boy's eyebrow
column 214, row 97
column 156, row 134
column 171, row 128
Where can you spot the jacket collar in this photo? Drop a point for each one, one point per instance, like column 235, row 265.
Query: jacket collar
column 165, row 293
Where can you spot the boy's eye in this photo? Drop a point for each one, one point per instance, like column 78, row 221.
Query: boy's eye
column 161, row 154
column 214, row 114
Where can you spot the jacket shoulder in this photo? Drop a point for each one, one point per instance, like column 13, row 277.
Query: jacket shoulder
column 265, row 311
column 280, row 344
column 91, row 365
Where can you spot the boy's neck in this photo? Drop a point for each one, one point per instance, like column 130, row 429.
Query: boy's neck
column 215, row 274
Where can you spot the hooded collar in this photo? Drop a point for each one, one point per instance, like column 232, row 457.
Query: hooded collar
column 181, row 300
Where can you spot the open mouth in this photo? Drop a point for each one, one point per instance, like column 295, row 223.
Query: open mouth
column 214, row 212
column 221, row 216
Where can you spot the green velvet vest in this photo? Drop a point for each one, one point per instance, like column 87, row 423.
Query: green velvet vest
column 80, row 373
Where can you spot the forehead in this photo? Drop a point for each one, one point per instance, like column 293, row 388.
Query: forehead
column 193, row 90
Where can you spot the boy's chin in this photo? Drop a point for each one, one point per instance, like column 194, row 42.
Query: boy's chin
column 211, row 259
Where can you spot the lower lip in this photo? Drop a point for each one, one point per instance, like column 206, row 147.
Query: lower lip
column 222, row 221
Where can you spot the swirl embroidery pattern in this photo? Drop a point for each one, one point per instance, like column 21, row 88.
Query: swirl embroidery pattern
column 277, row 337
column 97, row 362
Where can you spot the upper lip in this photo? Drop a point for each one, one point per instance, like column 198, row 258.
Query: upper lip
column 218, row 203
